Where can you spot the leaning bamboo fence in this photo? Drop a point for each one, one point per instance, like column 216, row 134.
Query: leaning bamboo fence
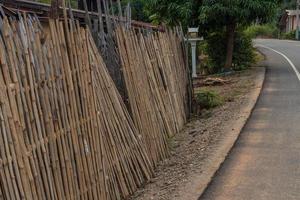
column 156, row 79
column 65, row 132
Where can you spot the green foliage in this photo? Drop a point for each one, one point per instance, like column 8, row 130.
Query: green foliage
column 208, row 99
column 173, row 12
column 138, row 9
column 243, row 54
column 288, row 4
column 285, row 5
column 215, row 48
column 289, row 35
column 265, row 30
column 216, row 14
column 243, row 12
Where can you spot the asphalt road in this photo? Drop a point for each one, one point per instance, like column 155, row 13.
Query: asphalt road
column 265, row 162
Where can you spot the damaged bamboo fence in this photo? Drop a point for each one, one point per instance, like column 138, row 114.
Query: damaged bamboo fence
column 65, row 132
column 156, row 79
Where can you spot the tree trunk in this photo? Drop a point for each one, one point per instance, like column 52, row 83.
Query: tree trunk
column 230, row 29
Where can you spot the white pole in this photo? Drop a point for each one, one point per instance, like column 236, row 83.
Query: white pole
column 194, row 62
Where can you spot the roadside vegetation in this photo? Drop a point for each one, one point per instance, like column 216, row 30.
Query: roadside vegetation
column 208, row 99
column 226, row 26
column 262, row 31
column 268, row 26
column 215, row 45
column 289, row 35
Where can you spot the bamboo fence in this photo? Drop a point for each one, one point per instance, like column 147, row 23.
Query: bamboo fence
column 157, row 82
column 65, row 132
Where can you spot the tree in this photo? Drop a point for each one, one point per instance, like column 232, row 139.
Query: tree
column 231, row 13
column 138, row 11
column 174, row 12
column 288, row 4
column 285, row 5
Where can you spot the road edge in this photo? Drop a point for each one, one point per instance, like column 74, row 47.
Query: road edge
column 203, row 180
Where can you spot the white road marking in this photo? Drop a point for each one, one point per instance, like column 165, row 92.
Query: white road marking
column 289, row 61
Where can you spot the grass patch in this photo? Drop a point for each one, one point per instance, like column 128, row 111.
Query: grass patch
column 208, row 99
column 258, row 57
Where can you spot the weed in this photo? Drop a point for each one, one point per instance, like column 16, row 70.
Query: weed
column 208, row 99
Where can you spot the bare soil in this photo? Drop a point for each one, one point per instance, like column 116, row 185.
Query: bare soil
column 191, row 147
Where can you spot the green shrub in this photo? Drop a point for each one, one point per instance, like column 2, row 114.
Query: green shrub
column 208, row 99
column 216, row 47
column 289, row 35
column 243, row 55
column 266, row 31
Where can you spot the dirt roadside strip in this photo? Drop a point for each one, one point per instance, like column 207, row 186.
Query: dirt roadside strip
column 200, row 149
column 197, row 186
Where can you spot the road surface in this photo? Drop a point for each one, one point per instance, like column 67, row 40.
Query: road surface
column 265, row 162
